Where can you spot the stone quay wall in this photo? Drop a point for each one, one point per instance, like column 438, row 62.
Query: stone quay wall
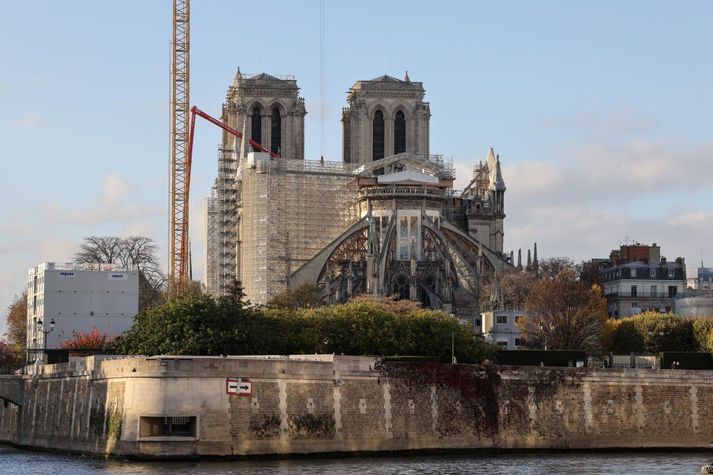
column 321, row 404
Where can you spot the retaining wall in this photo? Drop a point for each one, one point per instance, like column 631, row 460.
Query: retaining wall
column 335, row 404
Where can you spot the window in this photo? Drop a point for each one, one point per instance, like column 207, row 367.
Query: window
column 518, row 341
column 408, row 237
column 378, row 136
column 633, row 273
column 654, row 290
column 256, row 125
column 502, row 319
column 671, row 273
column 399, row 133
column 672, row 290
column 633, row 291
column 652, row 272
column 175, row 426
column 276, row 131
column 502, row 344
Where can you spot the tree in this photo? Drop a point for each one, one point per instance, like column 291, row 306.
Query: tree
column 304, row 296
column 562, row 313
column 8, row 357
column 132, row 253
column 234, row 292
column 514, row 286
column 552, row 266
column 201, row 325
column 589, row 274
column 91, row 340
column 17, row 326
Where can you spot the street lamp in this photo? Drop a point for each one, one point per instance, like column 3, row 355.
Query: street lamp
column 46, row 332
column 544, row 333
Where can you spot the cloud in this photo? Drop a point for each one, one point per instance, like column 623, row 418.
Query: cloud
column 30, row 122
column 588, row 200
column 609, row 173
column 619, row 122
column 114, row 189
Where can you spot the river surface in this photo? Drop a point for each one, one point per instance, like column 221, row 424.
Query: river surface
column 13, row 461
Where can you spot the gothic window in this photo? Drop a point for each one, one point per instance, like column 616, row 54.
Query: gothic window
column 399, row 133
column 256, row 125
column 378, row 136
column 276, row 131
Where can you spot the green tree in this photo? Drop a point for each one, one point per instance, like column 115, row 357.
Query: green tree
column 665, row 332
column 702, row 329
column 189, row 324
column 304, row 296
column 200, row 325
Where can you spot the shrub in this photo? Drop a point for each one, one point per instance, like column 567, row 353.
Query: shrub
column 197, row 324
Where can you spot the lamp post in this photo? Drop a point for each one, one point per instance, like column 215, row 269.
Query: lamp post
column 46, row 332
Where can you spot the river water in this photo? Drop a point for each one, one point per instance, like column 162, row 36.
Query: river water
column 13, row 461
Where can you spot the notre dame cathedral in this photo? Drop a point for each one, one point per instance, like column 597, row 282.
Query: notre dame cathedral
column 385, row 220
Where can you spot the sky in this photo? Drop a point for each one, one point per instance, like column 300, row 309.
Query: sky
column 602, row 112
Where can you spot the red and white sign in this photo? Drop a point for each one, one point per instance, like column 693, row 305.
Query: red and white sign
column 239, row 386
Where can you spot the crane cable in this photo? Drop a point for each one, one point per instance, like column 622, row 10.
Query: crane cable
column 323, row 107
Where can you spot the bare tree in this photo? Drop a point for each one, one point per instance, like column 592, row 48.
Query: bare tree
column 133, row 253
column 563, row 313
column 552, row 266
column 513, row 286
column 99, row 250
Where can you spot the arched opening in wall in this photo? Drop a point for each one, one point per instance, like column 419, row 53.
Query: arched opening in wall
column 276, row 131
column 401, row 287
column 256, row 125
column 399, row 133
column 378, row 136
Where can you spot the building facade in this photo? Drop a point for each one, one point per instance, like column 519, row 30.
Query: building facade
column 383, row 221
column 500, row 327
column 63, row 298
column 637, row 279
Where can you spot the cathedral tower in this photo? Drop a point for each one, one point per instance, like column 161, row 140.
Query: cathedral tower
column 272, row 110
column 385, row 116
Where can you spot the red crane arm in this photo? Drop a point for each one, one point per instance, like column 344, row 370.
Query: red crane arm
column 197, row 112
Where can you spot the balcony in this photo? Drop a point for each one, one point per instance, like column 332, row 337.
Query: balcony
column 640, row 295
column 401, row 191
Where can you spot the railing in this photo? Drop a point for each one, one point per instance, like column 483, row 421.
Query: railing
column 401, row 190
column 642, row 295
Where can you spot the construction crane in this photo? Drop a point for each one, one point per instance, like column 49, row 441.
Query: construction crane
column 180, row 160
column 182, row 145
column 195, row 111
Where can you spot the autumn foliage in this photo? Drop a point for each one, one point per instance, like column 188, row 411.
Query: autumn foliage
column 92, row 340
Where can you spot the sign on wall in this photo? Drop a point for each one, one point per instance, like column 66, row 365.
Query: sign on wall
column 239, row 386
column 115, row 276
column 67, row 273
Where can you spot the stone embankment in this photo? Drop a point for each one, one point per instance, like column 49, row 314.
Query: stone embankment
column 201, row 406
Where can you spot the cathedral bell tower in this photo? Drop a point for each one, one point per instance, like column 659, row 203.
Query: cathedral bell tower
column 269, row 110
column 384, row 117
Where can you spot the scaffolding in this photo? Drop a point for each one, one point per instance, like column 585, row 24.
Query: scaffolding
column 211, row 262
column 290, row 210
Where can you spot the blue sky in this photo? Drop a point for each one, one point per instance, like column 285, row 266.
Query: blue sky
column 602, row 112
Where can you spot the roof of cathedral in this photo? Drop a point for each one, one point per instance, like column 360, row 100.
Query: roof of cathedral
column 386, row 78
column 264, row 77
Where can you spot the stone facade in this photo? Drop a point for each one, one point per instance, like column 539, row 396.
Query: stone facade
column 343, row 404
column 395, row 100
